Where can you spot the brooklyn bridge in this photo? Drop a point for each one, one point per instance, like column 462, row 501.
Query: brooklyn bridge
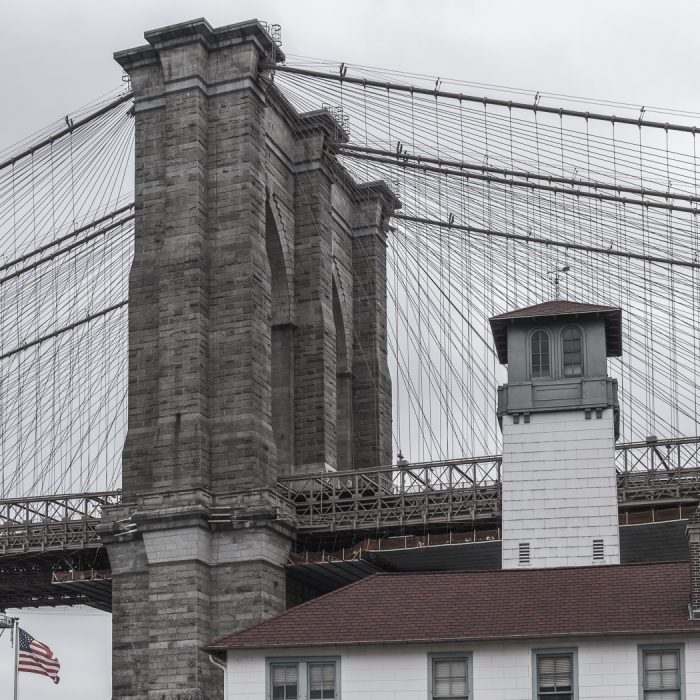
column 245, row 353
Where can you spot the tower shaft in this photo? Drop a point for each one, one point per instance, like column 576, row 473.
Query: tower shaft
column 248, row 299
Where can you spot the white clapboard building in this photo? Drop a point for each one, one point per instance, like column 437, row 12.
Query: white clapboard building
column 561, row 620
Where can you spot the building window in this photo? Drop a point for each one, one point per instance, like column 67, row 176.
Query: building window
column 571, row 352
column 307, row 679
column 321, row 680
column 285, row 681
column 450, row 677
column 554, row 676
column 539, row 354
column 662, row 673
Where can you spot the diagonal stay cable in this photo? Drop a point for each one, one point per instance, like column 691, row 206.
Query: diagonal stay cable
column 550, row 242
column 509, row 104
column 87, row 319
column 69, row 129
column 72, row 234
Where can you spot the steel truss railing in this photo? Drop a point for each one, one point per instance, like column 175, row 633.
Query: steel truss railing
column 658, row 472
column 649, row 474
column 395, row 496
column 49, row 523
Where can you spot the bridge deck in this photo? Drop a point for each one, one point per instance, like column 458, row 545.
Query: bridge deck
column 393, row 498
column 51, row 553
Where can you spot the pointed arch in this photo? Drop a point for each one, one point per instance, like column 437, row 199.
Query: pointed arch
column 343, row 392
column 281, row 292
column 282, row 345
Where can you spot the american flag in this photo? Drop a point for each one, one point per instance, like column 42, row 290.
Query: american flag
column 35, row 657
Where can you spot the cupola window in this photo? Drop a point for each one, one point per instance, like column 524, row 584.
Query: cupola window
column 539, row 354
column 571, row 352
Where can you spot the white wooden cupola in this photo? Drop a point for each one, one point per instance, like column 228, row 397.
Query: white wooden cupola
column 559, row 417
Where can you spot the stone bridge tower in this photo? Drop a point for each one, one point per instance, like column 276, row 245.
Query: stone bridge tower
column 257, row 346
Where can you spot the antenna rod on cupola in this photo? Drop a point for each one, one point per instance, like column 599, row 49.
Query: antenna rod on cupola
column 557, row 279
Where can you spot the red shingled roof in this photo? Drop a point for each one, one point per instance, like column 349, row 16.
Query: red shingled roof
column 442, row 606
column 612, row 316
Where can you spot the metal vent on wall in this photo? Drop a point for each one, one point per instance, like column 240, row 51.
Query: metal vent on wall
column 598, row 550
column 524, row 553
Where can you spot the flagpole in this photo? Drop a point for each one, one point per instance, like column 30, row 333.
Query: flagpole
column 16, row 658
column 12, row 624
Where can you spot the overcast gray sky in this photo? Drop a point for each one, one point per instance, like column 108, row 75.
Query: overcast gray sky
column 57, row 56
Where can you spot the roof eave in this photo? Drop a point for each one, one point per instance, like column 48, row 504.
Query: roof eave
column 449, row 640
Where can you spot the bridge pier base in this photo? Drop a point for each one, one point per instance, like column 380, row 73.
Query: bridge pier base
column 174, row 578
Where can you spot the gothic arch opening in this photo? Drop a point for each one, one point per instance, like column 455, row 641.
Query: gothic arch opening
column 282, row 340
column 343, row 392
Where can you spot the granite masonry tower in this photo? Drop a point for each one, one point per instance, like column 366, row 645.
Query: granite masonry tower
column 257, row 346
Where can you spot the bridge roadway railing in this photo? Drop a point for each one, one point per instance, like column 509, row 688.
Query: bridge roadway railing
column 399, row 495
column 649, row 474
column 657, row 472
column 50, row 523
column 467, row 491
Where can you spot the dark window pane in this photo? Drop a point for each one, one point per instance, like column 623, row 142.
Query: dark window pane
column 571, row 350
column 539, row 354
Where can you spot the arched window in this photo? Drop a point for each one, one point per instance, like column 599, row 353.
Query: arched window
column 571, row 352
column 539, row 354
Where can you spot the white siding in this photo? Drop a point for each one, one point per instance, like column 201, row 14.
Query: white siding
column 559, row 490
column 607, row 668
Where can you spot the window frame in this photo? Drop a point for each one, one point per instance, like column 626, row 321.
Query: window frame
column 555, row 651
column 302, row 663
column 451, row 656
column 530, row 355
column 581, row 334
column 643, row 649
